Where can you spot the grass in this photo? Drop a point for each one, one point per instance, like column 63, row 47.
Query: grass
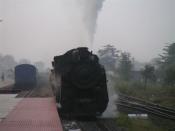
column 163, row 95
column 136, row 124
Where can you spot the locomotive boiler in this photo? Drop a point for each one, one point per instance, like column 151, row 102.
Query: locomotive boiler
column 79, row 83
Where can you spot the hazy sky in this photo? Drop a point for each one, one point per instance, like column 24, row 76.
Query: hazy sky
column 40, row 29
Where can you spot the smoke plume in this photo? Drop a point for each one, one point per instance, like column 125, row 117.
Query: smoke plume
column 90, row 10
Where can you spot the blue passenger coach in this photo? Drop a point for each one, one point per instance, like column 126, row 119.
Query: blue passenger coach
column 25, row 75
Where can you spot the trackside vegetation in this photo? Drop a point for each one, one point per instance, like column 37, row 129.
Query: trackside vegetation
column 153, row 81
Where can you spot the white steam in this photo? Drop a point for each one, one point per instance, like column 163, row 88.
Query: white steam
column 90, row 10
column 111, row 111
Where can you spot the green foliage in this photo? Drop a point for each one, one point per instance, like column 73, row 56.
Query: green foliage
column 163, row 95
column 108, row 56
column 125, row 66
column 116, row 61
column 148, row 74
column 170, row 75
column 167, row 64
column 168, row 57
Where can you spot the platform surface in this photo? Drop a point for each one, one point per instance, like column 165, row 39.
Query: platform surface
column 6, row 83
column 33, row 114
column 7, row 104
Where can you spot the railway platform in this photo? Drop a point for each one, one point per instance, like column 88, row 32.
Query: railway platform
column 7, row 104
column 33, row 114
column 6, row 83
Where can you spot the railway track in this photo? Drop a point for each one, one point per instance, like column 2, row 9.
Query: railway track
column 145, row 107
column 9, row 89
column 27, row 93
column 100, row 124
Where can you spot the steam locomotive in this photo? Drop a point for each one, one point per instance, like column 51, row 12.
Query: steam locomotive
column 79, row 83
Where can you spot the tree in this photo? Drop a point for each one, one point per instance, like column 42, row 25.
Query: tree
column 168, row 56
column 125, row 66
column 24, row 61
column 7, row 65
column 148, row 73
column 108, row 57
column 167, row 64
column 8, row 62
column 170, row 75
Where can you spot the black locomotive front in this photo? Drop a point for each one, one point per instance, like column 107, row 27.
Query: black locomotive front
column 80, row 83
